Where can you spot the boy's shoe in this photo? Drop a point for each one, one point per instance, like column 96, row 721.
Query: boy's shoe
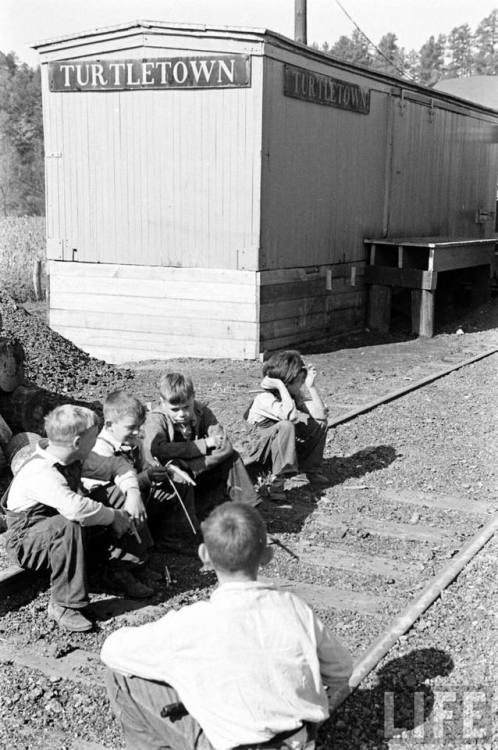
column 275, row 490
column 122, row 581
column 315, row 476
column 69, row 619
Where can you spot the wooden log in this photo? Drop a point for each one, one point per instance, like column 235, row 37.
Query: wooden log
column 11, row 365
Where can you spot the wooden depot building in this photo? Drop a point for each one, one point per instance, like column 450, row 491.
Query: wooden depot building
column 210, row 190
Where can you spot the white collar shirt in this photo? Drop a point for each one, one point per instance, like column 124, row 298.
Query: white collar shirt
column 248, row 663
column 38, row 481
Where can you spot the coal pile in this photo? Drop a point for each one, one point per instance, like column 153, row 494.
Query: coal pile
column 53, row 362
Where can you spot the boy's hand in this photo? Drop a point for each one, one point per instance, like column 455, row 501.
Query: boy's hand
column 271, row 384
column 157, row 473
column 311, row 374
column 134, row 507
column 216, row 437
column 121, row 523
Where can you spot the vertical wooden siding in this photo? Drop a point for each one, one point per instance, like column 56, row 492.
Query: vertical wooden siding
column 444, row 168
column 322, row 176
column 167, row 178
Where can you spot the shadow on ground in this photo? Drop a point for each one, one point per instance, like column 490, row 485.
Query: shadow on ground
column 289, row 516
column 400, row 701
column 453, row 312
column 364, row 461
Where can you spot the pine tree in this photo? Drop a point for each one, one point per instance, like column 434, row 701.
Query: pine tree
column 460, row 52
column 21, row 138
column 431, row 61
column 355, row 49
column 486, row 46
column 389, row 58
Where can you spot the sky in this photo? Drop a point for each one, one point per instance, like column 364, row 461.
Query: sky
column 23, row 22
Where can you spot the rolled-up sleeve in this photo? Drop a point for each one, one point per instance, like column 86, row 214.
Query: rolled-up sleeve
column 336, row 664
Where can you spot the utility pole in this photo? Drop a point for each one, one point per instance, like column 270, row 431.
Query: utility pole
column 300, row 22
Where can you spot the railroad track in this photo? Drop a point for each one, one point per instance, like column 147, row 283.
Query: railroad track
column 364, row 552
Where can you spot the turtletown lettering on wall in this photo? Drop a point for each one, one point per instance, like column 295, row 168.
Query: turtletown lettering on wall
column 220, row 71
column 322, row 89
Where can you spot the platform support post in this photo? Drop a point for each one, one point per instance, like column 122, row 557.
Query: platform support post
column 379, row 308
column 423, row 312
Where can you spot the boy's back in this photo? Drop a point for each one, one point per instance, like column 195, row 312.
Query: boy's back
column 248, row 664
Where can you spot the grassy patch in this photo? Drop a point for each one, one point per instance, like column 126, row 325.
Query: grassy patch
column 22, row 242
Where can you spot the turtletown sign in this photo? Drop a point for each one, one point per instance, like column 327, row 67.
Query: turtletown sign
column 322, row 89
column 220, row 71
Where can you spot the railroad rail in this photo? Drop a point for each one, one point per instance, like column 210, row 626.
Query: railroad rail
column 392, row 590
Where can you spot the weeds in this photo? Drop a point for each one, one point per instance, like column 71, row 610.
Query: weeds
column 22, row 242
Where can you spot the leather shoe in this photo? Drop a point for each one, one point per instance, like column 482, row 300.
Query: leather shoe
column 123, row 581
column 69, row 619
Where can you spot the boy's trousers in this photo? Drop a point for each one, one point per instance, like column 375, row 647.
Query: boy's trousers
column 127, row 551
column 227, row 481
column 290, row 447
column 39, row 542
column 137, row 704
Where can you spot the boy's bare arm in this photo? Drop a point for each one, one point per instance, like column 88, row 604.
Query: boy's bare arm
column 316, row 407
column 287, row 404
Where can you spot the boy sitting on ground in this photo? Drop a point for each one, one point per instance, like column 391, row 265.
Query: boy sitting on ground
column 49, row 518
column 184, row 430
column 114, row 472
column 293, row 429
column 249, row 664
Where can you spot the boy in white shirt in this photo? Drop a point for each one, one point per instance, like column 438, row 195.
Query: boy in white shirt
column 250, row 664
column 49, row 518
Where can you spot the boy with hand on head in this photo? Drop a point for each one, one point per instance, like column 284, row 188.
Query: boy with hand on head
column 186, row 431
column 115, row 473
column 50, row 519
column 251, row 665
column 293, row 428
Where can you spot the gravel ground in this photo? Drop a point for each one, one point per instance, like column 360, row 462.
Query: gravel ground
column 440, row 440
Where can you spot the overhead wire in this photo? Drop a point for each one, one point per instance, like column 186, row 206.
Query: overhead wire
column 403, row 73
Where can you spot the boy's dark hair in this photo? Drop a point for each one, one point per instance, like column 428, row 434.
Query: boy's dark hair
column 285, row 366
column 176, row 388
column 119, row 404
column 235, row 537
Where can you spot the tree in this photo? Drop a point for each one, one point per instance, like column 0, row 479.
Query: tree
column 486, row 46
column 21, row 138
column 389, row 58
column 460, row 52
column 355, row 49
column 431, row 61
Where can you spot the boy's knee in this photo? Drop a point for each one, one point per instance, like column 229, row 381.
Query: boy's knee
column 285, row 428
